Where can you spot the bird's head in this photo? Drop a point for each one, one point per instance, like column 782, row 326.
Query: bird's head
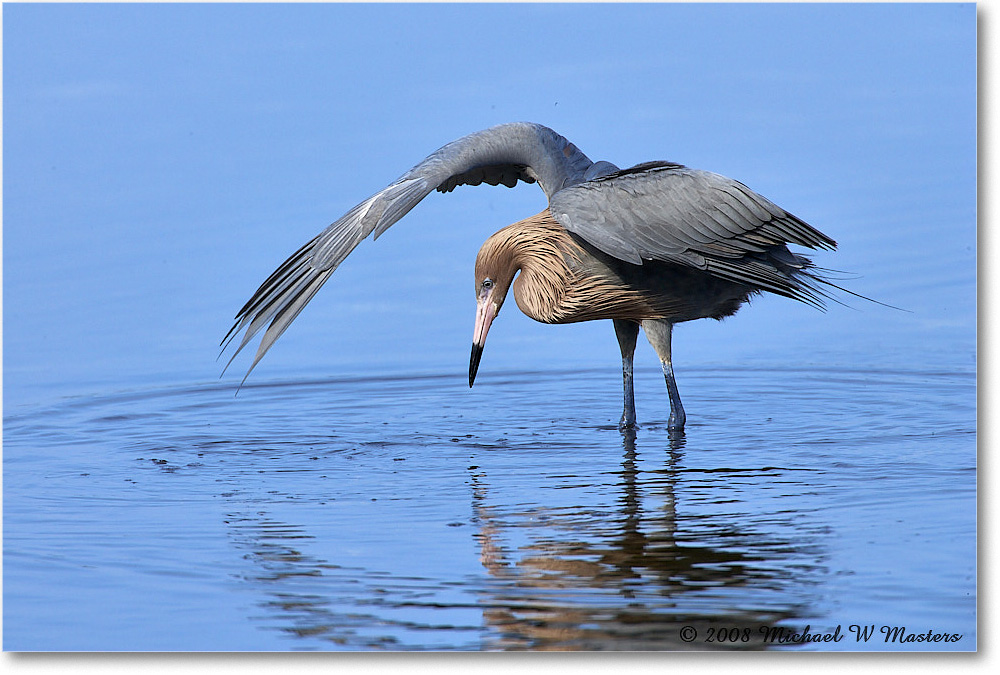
column 495, row 270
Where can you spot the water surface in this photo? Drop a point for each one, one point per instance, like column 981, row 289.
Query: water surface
column 382, row 514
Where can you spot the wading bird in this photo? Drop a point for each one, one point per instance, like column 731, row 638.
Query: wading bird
column 648, row 246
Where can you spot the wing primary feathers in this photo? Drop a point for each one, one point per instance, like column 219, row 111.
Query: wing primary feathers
column 267, row 291
column 287, row 314
column 501, row 155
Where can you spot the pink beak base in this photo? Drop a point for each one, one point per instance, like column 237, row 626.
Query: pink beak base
column 486, row 311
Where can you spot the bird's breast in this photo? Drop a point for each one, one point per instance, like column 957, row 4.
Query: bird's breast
column 578, row 294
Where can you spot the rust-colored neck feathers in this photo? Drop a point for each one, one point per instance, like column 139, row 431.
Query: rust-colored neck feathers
column 560, row 282
column 535, row 247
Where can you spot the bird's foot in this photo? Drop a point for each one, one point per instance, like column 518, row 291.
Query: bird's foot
column 627, row 426
column 676, row 422
column 627, row 423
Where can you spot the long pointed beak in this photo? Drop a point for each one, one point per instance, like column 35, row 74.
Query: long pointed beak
column 486, row 311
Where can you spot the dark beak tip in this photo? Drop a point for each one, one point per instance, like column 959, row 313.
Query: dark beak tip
column 477, row 354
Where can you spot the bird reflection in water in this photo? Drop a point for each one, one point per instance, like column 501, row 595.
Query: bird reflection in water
column 553, row 594
column 625, row 575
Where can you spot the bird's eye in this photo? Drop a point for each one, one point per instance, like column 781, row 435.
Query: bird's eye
column 487, row 283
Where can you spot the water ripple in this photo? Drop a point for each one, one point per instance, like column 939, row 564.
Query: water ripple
column 412, row 513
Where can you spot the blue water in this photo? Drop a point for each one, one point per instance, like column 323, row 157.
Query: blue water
column 382, row 514
column 355, row 494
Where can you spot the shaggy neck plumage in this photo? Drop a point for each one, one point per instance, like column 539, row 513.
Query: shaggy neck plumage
column 535, row 247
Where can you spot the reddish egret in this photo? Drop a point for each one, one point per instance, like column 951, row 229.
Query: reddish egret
column 648, row 246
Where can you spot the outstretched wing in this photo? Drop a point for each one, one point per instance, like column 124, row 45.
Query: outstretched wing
column 503, row 154
column 668, row 212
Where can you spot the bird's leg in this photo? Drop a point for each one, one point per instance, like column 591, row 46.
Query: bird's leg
column 627, row 333
column 658, row 332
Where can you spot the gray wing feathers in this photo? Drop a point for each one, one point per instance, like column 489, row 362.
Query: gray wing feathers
column 676, row 214
column 299, row 296
column 279, row 300
column 667, row 212
column 503, row 155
